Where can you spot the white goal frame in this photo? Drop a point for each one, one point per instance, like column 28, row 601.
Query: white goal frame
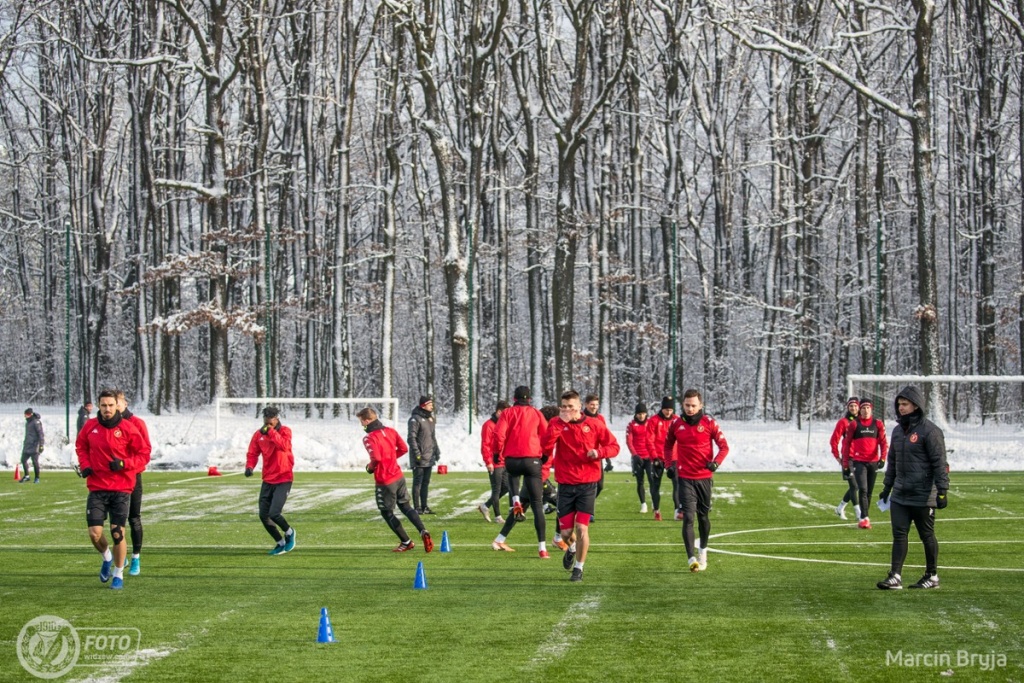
column 280, row 400
column 932, row 379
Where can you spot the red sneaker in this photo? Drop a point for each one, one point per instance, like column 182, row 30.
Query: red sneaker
column 864, row 523
column 403, row 548
column 657, row 515
column 428, row 544
column 562, row 545
column 517, row 512
column 544, row 555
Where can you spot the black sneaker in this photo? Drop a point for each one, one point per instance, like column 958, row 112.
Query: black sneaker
column 568, row 558
column 548, row 509
column 577, row 575
column 927, row 581
column 894, row 582
column 426, row 511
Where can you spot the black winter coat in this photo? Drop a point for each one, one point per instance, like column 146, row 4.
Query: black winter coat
column 33, row 434
column 916, row 468
column 423, row 449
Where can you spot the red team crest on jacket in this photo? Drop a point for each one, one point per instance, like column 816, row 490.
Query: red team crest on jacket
column 913, row 438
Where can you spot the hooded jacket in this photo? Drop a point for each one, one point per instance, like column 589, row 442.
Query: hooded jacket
column 33, row 434
column 917, row 467
column 423, row 449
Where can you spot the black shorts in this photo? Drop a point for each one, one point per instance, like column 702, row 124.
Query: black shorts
column 394, row 493
column 576, row 498
column 100, row 504
column 695, row 495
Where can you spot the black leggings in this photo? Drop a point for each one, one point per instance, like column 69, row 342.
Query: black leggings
column 529, row 470
column 862, row 479
column 923, row 518
column 272, row 499
column 135, row 515
column 499, row 487
column 34, row 457
column 420, row 485
column 646, row 468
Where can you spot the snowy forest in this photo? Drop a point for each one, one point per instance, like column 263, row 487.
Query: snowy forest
column 331, row 198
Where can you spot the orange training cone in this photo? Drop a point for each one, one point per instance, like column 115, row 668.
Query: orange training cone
column 326, row 633
column 212, row 472
column 17, row 471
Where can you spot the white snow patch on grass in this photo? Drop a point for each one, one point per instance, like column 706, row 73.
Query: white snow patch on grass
column 567, row 632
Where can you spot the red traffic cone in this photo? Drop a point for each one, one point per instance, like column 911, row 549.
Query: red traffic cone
column 212, row 472
column 17, row 471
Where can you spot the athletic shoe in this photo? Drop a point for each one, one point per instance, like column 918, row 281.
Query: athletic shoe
column 694, row 564
column 927, row 581
column 864, row 523
column 484, row 511
column 679, row 515
column 517, row 512
column 499, row 520
column 495, row 545
column 36, row 480
column 702, row 558
column 548, row 509
column 892, row 583
column 544, row 555
column 134, row 569
column 403, row 547
column 561, row 545
column 105, row 570
column 117, row 584
column 643, row 508
column 277, row 550
column 426, row 511
column 657, row 515
column 577, row 575
column 841, row 511
column 428, row 543
column 289, row 541
column 24, row 479
column 568, row 558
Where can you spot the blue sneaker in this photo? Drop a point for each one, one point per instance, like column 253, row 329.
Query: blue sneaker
column 277, row 550
column 117, row 584
column 105, row 570
column 289, row 541
column 135, row 569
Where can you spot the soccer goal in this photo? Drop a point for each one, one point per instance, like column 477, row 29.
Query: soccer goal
column 304, row 410
column 981, row 415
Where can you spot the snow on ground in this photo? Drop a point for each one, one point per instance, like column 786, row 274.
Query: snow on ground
column 190, row 441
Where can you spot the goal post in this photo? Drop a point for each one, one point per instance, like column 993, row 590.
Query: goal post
column 387, row 408
column 965, row 398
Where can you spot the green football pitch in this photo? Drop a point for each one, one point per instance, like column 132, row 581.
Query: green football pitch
column 789, row 592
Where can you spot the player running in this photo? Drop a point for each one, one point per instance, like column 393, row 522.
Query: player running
column 864, row 447
column 274, row 442
column 135, row 505
column 638, row 443
column 657, row 431
column 838, row 434
column 494, row 463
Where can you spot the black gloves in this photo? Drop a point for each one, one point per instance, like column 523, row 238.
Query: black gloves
column 881, row 464
column 264, row 429
column 116, row 465
column 846, row 473
column 497, row 458
column 941, row 501
column 608, row 466
column 370, row 468
column 712, row 466
column 885, row 494
column 87, row 472
column 248, row 471
column 39, row 449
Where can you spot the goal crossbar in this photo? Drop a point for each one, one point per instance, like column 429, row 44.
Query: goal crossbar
column 281, row 400
column 931, row 379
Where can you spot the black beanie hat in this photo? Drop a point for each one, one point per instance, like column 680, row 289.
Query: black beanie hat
column 425, row 400
column 640, row 408
column 852, row 399
column 668, row 402
column 866, row 402
column 522, row 393
column 271, row 411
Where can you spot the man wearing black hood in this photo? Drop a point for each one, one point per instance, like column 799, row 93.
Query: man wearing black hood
column 423, row 452
column 916, row 482
column 34, row 442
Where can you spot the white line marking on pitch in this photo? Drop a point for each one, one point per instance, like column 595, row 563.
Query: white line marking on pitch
column 567, row 632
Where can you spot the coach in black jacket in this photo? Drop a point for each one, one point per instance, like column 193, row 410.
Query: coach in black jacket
column 916, row 482
column 423, row 452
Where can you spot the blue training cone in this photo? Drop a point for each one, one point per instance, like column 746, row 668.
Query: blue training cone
column 326, row 634
column 420, row 583
column 445, row 545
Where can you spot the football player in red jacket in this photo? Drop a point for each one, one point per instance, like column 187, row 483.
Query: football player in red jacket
column 273, row 441
column 838, row 434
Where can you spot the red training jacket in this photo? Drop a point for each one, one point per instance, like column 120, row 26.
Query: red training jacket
column 97, row 446
column 638, row 439
column 144, row 430
column 488, row 443
column 276, row 448
column 692, row 446
column 865, row 441
column 657, row 432
column 385, row 446
column 573, row 441
column 519, row 431
column 838, row 433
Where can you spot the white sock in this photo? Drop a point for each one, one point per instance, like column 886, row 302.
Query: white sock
column 281, row 542
column 573, row 547
column 291, row 531
column 135, row 556
column 842, row 505
column 118, row 572
column 577, row 565
column 108, row 556
column 515, row 499
column 499, row 539
column 856, row 508
column 542, row 546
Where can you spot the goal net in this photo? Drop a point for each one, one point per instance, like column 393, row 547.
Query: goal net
column 321, row 415
column 980, row 415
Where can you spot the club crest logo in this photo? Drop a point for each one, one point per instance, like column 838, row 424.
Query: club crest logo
column 586, row 429
column 48, row 647
column 913, row 437
column 700, row 428
column 117, row 433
